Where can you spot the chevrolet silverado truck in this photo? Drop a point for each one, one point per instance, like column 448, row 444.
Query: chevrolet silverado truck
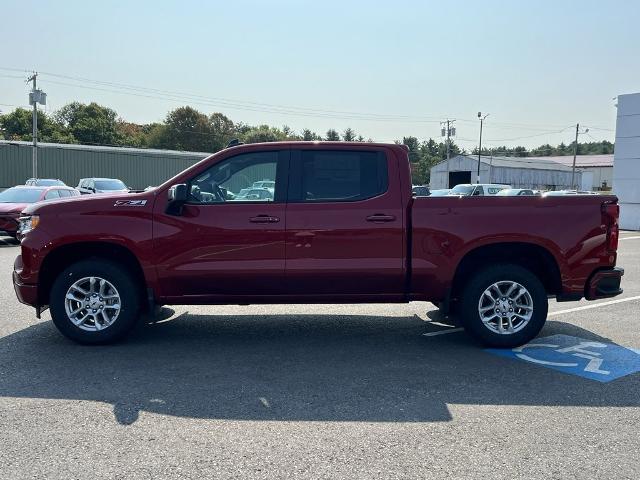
column 340, row 226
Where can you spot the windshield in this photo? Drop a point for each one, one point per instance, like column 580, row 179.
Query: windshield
column 110, row 185
column 20, row 195
column 49, row 182
column 462, row 190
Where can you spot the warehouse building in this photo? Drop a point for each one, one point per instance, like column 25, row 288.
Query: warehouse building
column 136, row 167
column 526, row 172
column 597, row 170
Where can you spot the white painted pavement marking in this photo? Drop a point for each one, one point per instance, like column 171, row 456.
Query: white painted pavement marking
column 559, row 312
column 596, row 305
column 443, row 332
column 629, row 238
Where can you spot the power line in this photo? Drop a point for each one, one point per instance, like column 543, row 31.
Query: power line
column 267, row 107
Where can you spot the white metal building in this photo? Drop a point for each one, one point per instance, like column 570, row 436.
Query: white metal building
column 524, row 172
column 626, row 168
column 597, row 170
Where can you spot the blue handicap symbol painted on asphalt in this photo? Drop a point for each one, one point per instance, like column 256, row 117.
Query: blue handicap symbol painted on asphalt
column 594, row 360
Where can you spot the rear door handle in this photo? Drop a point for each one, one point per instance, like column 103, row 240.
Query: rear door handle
column 264, row 219
column 379, row 217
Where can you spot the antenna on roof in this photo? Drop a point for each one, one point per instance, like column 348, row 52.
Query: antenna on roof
column 234, row 143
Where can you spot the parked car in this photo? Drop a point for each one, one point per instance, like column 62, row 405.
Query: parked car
column 88, row 186
column 45, row 182
column 14, row 200
column 420, row 190
column 336, row 231
column 516, row 192
column 477, row 189
column 249, row 194
column 557, row 193
column 442, row 192
column 268, row 184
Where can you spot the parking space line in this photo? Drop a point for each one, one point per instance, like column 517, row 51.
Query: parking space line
column 596, row 305
column 630, row 238
column 442, row 332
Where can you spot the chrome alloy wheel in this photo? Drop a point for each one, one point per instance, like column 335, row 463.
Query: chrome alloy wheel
column 505, row 307
column 92, row 304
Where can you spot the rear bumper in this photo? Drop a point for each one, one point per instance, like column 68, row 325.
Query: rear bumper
column 604, row 284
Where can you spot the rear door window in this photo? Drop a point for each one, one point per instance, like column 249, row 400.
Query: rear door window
column 338, row 176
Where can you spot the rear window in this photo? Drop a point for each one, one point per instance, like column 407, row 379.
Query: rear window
column 342, row 176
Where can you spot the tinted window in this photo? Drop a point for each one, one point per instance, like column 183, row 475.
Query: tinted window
column 342, row 176
column 64, row 193
column 250, row 177
column 20, row 195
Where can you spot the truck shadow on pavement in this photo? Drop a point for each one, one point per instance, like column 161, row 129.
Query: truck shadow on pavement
column 292, row 368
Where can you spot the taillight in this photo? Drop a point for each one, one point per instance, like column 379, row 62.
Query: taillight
column 611, row 212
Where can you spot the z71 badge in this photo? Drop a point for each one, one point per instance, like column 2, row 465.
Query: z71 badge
column 130, row 203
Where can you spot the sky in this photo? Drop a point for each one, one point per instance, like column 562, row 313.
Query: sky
column 385, row 69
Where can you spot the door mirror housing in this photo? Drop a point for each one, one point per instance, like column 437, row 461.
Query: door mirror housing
column 177, row 196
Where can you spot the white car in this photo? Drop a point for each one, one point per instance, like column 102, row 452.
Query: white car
column 475, row 189
column 517, row 192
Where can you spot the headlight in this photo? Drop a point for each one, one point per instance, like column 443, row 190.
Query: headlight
column 28, row 223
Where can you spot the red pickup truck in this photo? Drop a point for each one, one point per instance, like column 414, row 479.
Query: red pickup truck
column 313, row 222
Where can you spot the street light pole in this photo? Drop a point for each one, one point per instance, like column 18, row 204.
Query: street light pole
column 480, row 143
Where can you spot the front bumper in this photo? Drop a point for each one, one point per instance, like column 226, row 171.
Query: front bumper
column 604, row 284
column 27, row 294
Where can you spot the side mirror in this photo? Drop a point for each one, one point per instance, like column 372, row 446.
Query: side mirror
column 177, row 196
column 178, row 193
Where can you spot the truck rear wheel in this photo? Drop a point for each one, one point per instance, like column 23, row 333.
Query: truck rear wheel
column 94, row 302
column 504, row 306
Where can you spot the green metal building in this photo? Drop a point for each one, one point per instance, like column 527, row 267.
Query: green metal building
column 136, row 167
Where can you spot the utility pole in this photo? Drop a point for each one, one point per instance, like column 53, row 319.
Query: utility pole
column 575, row 153
column 35, row 96
column 448, row 132
column 480, row 143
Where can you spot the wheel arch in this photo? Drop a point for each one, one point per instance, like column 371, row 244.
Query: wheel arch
column 538, row 259
column 61, row 257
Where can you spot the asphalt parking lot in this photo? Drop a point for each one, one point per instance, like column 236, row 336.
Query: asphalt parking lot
column 375, row 391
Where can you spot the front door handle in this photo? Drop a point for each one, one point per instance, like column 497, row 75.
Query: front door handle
column 379, row 217
column 264, row 219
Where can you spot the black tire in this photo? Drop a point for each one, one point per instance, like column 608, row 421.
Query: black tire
column 119, row 277
column 473, row 290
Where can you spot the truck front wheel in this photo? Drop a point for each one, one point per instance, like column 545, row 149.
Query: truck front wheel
column 94, row 301
column 504, row 306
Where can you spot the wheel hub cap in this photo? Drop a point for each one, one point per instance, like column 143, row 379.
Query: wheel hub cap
column 505, row 307
column 92, row 304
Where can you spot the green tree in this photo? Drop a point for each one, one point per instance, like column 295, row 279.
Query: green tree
column 414, row 148
column 332, row 135
column 91, row 124
column 223, row 131
column 18, row 125
column 263, row 133
column 309, row 136
column 185, row 128
column 349, row 135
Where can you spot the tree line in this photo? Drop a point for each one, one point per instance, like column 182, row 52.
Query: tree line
column 185, row 128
